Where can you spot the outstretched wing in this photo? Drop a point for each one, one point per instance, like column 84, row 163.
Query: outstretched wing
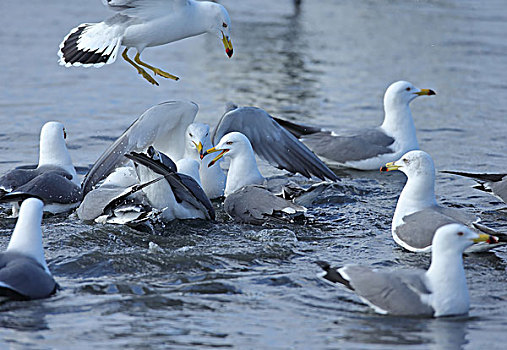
column 147, row 9
column 272, row 142
column 161, row 126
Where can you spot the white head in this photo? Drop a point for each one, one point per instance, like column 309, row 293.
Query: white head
column 232, row 145
column 414, row 164
column 401, row 93
column 53, row 150
column 219, row 24
column 455, row 238
column 196, row 138
column 26, row 238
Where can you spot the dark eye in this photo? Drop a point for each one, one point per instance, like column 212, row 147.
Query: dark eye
column 460, row 233
column 408, row 89
column 228, row 143
column 405, row 160
column 206, row 135
column 224, row 25
column 190, row 134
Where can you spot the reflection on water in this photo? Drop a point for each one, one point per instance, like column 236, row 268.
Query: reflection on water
column 223, row 285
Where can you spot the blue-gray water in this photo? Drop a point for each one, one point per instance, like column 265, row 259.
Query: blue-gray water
column 223, row 285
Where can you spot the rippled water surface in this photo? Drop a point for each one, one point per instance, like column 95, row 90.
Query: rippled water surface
column 225, row 285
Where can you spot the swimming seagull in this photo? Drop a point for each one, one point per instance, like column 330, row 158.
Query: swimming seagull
column 440, row 291
column 368, row 149
column 271, row 142
column 492, row 183
column 24, row 273
column 141, row 24
column 54, row 181
column 417, row 215
column 247, row 200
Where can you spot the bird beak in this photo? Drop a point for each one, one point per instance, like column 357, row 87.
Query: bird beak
column 389, row 167
column 485, row 238
column 213, row 150
column 427, row 92
column 199, row 148
column 228, row 45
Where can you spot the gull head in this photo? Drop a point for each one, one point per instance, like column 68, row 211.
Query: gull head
column 196, row 136
column 413, row 164
column 53, row 150
column 403, row 92
column 456, row 238
column 220, row 26
column 233, row 144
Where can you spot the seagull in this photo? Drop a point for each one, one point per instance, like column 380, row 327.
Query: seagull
column 247, row 199
column 440, row 291
column 140, row 24
column 368, row 149
column 492, row 183
column 54, row 181
column 24, row 273
column 417, row 215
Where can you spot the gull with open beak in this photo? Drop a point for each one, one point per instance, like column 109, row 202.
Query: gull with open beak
column 247, row 200
column 440, row 291
column 368, row 148
column 417, row 215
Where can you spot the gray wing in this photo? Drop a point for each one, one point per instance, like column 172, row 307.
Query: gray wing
column 96, row 201
column 255, row 205
column 495, row 183
column 418, row 228
column 184, row 187
column 272, row 142
column 397, row 292
column 24, row 276
column 51, row 187
column 147, row 9
column 348, row 146
column 159, row 126
column 15, row 178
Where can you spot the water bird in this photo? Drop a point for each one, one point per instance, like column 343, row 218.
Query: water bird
column 140, row 24
column 440, row 291
column 368, row 148
column 24, row 273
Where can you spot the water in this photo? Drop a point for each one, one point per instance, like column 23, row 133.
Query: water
column 222, row 285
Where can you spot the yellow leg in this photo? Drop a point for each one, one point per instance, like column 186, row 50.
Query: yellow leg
column 157, row 71
column 139, row 69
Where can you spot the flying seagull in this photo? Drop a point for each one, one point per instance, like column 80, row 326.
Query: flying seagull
column 369, row 148
column 439, row 291
column 140, row 24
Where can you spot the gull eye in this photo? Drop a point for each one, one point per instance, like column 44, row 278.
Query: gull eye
column 228, row 143
column 224, row 25
column 64, row 133
column 405, row 160
column 408, row 89
column 460, row 233
column 206, row 135
column 190, row 134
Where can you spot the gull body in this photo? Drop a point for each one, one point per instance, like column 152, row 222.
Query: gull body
column 23, row 269
column 140, row 24
column 368, row 149
column 440, row 291
column 417, row 215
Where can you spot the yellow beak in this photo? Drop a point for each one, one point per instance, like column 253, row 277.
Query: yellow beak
column 198, row 146
column 213, row 150
column 389, row 167
column 485, row 238
column 228, row 45
column 427, row 92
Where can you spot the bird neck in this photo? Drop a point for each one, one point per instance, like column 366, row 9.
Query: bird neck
column 203, row 11
column 399, row 124
column 447, row 282
column 243, row 171
column 53, row 151
column 26, row 238
column 418, row 193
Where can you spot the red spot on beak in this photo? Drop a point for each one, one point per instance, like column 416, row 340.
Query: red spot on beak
column 229, row 52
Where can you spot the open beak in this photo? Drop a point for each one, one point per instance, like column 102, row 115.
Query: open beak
column 485, row 238
column 425, row 92
column 228, row 45
column 389, row 167
column 213, row 150
column 199, row 148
